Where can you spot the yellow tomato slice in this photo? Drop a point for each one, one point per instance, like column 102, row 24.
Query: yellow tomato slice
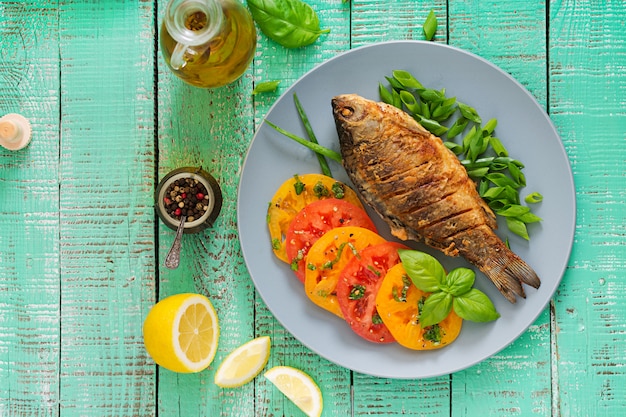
column 326, row 259
column 293, row 195
column 398, row 302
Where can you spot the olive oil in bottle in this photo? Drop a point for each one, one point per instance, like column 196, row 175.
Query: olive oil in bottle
column 207, row 43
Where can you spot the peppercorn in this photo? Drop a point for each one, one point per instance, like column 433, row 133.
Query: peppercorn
column 182, row 199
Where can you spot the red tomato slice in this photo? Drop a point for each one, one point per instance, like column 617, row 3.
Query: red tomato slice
column 358, row 286
column 316, row 219
column 327, row 258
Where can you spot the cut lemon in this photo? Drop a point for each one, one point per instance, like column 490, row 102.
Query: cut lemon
column 298, row 387
column 244, row 363
column 181, row 333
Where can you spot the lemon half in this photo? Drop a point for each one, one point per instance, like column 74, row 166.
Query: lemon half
column 244, row 363
column 298, row 387
column 181, row 333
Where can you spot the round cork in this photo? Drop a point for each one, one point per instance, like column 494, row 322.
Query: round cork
column 15, row 131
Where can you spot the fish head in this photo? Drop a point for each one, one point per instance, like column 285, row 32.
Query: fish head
column 356, row 118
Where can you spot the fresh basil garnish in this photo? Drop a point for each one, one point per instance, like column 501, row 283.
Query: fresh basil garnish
column 291, row 23
column 436, row 308
column 475, row 306
column 459, row 281
column 449, row 291
column 424, row 270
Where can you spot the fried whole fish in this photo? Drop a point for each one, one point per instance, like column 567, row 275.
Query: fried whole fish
column 422, row 191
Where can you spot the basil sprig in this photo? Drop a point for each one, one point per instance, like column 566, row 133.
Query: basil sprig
column 449, row 291
column 291, row 23
column 485, row 159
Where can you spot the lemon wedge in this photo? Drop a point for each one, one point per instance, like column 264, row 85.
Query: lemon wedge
column 244, row 363
column 298, row 387
column 181, row 332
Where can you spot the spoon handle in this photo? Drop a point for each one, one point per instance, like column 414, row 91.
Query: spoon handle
column 172, row 260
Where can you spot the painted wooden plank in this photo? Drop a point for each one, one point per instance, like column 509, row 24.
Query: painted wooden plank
column 107, row 222
column 210, row 128
column 512, row 35
column 587, row 101
column 29, row 244
column 276, row 62
column 376, row 22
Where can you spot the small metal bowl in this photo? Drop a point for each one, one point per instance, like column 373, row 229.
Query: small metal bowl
column 213, row 192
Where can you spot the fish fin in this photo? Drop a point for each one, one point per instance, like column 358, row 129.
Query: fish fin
column 524, row 273
column 506, row 283
column 509, row 273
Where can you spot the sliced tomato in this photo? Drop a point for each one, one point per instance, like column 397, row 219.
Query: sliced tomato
column 398, row 304
column 326, row 259
column 316, row 219
column 296, row 193
column 358, row 286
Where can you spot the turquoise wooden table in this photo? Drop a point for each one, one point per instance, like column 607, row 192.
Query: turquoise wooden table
column 81, row 250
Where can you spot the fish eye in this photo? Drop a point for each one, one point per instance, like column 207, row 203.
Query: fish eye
column 347, row 111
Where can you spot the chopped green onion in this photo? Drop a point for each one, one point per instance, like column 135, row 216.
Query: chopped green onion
column 407, row 80
column 533, row 198
column 266, row 87
column 430, row 26
column 309, row 130
column 329, row 153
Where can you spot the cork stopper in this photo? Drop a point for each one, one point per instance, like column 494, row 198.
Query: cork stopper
column 14, row 131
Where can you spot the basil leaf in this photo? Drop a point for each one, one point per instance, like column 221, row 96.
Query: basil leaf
column 459, row 281
column 291, row 23
column 436, row 308
column 424, row 270
column 266, row 87
column 475, row 306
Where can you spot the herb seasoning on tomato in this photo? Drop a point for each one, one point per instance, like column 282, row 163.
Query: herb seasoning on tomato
column 399, row 303
column 316, row 219
column 357, row 288
column 295, row 194
column 327, row 258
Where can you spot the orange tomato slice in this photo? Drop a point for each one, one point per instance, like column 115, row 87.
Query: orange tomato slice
column 292, row 196
column 398, row 302
column 327, row 258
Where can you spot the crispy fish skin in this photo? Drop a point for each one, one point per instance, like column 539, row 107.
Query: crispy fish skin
column 422, row 191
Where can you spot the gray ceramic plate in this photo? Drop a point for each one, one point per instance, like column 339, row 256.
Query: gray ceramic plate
column 523, row 127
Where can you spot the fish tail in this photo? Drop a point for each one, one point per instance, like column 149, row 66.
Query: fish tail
column 508, row 272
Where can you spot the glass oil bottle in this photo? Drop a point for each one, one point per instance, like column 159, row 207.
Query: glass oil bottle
column 207, row 43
